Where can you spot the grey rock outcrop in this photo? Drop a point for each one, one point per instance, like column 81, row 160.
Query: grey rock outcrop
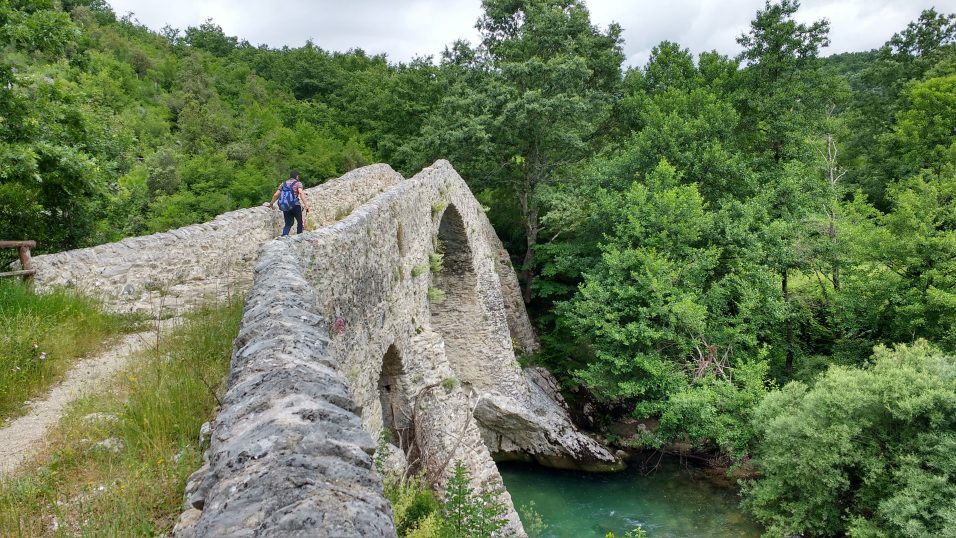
column 540, row 431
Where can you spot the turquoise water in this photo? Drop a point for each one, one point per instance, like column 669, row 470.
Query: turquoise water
column 675, row 501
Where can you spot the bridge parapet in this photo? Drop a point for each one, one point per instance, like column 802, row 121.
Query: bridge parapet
column 288, row 454
column 177, row 270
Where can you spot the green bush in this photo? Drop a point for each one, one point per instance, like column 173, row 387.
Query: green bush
column 465, row 513
column 468, row 513
column 412, row 504
column 716, row 413
column 863, row 452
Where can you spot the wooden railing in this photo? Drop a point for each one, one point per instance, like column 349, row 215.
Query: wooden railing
column 26, row 271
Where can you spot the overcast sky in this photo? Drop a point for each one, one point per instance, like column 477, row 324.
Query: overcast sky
column 403, row 29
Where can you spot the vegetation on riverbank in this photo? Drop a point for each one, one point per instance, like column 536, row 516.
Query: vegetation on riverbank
column 42, row 335
column 118, row 462
column 861, row 452
column 465, row 512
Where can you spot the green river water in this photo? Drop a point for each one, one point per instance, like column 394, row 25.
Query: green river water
column 674, row 501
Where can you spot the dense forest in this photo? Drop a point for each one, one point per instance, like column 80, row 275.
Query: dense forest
column 752, row 255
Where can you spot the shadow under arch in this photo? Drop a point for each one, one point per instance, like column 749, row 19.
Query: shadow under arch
column 457, row 315
column 397, row 419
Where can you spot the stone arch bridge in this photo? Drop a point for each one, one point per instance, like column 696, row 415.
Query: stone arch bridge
column 399, row 313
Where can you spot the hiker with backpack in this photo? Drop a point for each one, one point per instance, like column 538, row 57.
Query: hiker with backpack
column 292, row 201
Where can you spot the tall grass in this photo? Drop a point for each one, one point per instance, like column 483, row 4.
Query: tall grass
column 41, row 336
column 152, row 411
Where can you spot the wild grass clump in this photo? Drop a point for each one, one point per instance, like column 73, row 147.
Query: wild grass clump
column 41, row 336
column 151, row 414
column 342, row 212
column 436, row 261
column 419, row 269
column 436, row 295
column 449, row 383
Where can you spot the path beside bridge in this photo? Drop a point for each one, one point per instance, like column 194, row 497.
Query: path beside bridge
column 25, row 437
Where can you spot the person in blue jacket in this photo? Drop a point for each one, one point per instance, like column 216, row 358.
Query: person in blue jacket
column 292, row 201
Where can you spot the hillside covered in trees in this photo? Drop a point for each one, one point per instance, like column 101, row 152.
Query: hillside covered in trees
column 753, row 255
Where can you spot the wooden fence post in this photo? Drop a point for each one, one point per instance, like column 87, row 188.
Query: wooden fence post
column 26, row 265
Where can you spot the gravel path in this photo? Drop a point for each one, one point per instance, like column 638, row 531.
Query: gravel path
column 23, row 437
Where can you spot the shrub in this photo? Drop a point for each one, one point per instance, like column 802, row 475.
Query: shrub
column 864, row 452
column 413, row 505
column 469, row 513
column 429, row 527
column 716, row 413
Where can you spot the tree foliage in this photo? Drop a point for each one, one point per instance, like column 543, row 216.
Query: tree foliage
column 862, row 452
column 526, row 104
column 470, row 513
column 110, row 130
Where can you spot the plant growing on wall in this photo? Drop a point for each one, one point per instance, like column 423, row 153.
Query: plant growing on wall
column 419, row 270
column 436, row 295
column 436, row 261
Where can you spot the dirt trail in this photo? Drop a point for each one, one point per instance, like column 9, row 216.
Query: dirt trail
column 24, row 436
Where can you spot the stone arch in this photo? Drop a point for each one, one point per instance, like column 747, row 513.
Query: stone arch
column 456, row 314
column 454, row 245
column 393, row 395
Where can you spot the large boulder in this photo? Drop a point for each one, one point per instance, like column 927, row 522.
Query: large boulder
column 539, row 430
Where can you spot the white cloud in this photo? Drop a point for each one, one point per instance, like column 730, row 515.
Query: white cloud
column 401, row 29
column 405, row 28
column 704, row 25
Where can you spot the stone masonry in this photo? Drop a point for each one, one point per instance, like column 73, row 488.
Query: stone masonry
column 399, row 314
column 176, row 270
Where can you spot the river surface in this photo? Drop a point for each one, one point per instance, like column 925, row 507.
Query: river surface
column 674, row 501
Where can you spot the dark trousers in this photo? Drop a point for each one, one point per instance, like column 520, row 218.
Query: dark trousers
column 293, row 214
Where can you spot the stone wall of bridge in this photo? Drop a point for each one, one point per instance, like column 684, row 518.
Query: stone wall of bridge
column 176, row 270
column 399, row 316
